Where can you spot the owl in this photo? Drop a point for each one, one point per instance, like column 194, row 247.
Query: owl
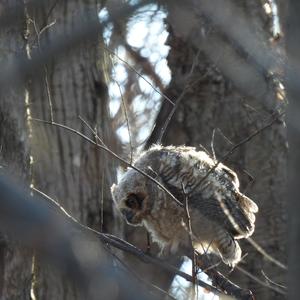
column 218, row 213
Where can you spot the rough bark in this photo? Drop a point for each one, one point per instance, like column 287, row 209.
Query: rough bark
column 213, row 100
column 62, row 165
column 65, row 166
column 15, row 263
column 292, row 30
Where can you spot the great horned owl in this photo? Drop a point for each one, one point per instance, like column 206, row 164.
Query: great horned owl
column 219, row 213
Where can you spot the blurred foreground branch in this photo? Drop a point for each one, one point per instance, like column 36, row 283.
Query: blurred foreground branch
column 79, row 255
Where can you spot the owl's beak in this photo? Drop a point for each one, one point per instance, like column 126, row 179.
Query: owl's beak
column 129, row 214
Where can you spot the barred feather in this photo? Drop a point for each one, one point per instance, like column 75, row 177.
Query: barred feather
column 219, row 212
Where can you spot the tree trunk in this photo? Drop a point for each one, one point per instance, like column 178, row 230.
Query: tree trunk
column 292, row 83
column 66, row 167
column 15, row 262
column 213, row 98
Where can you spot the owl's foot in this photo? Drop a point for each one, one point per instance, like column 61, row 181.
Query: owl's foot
column 229, row 249
column 164, row 252
column 169, row 249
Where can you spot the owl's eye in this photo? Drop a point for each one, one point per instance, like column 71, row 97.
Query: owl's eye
column 134, row 201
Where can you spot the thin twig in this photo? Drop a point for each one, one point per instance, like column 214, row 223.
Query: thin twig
column 265, row 254
column 212, row 144
column 38, row 34
column 48, row 94
column 224, row 136
column 271, row 281
column 178, row 101
column 105, row 148
column 236, row 146
column 190, row 233
column 145, row 64
column 102, row 202
column 139, row 278
column 274, row 288
column 47, row 27
column 96, row 136
column 205, row 270
column 139, row 74
column 127, row 121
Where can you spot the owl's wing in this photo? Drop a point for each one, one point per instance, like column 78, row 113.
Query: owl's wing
column 234, row 211
column 228, row 208
column 217, row 198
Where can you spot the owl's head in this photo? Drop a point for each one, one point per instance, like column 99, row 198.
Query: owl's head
column 131, row 196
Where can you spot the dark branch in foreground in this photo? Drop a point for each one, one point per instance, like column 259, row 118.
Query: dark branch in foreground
column 125, row 246
column 31, row 220
column 219, row 280
column 85, row 261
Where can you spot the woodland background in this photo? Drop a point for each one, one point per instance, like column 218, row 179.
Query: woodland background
column 220, row 83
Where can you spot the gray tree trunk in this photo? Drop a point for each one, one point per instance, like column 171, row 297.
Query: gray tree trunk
column 292, row 82
column 59, row 164
column 66, row 167
column 15, row 263
column 215, row 99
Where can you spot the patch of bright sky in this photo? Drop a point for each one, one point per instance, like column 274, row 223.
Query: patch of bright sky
column 119, row 75
column 103, row 14
column 146, row 32
column 103, row 17
column 271, row 8
column 180, row 286
column 123, row 132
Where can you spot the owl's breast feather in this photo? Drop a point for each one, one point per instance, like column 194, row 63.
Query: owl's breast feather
column 167, row 229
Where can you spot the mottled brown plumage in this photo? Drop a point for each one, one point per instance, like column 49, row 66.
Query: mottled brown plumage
column 219, row 213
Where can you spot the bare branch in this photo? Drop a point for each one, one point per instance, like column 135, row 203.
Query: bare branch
column 265, row 254
column 139, row 74
column 274, row 288
column 125, row 246
column 178, row 100
column 272, row 282
column 238, row 145
column 127, row 121
column 105, row 148
column 145, row 64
